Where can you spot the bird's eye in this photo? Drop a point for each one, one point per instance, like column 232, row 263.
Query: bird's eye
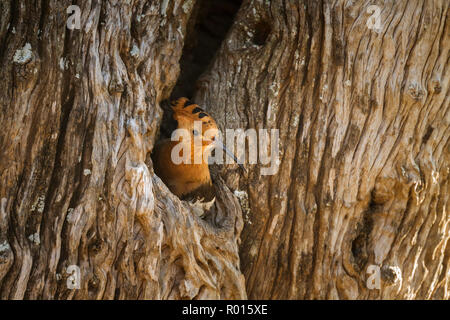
column 195, row 132
column 213, row 138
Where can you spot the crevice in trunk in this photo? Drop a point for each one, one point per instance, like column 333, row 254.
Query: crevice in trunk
column 360, row 250
column 206, row 30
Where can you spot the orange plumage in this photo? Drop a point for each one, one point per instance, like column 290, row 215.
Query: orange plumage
column 188, row 180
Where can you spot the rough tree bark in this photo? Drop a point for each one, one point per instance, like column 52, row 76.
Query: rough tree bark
column 364, row 152
column 364, row 146
column 80, row 111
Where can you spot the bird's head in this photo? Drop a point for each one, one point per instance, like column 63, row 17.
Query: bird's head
column 199, row 124
column 196, row 121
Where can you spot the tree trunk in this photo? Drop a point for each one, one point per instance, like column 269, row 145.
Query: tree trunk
column 80, row 111
column 364, row 132
column 363, row 118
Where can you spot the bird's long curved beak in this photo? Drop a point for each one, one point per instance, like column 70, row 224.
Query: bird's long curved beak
column 220, row 144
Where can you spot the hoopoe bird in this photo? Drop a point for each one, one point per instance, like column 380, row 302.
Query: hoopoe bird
column 190, row 181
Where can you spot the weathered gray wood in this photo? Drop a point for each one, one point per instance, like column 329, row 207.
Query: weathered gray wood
column 364, row 152
column 364, row 146
column 79, row 112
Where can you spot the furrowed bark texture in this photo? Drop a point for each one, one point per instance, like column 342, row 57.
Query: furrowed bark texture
column 364, row 168
column 79, row 115
column 364, row 145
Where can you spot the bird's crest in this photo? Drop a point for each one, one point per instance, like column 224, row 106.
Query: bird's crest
column 184, row 107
